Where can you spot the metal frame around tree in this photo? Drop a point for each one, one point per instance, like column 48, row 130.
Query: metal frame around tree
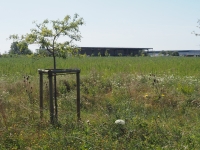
column 53, row 108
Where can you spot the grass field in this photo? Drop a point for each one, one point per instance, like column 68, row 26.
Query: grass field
column 157, row 97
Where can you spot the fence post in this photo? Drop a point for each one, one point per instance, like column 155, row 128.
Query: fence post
column 78, row 95
column 41, row 95
column 52, row 105
column 51, row 109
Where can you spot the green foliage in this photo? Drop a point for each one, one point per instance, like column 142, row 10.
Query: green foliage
column 19, row 48
column 106, row 53
column 143, row 53
column 163, row 53
column 169, row 53
column 175, row 54
column 119, row 54
column 99, row 54
column 47, row 33
column 43, row 52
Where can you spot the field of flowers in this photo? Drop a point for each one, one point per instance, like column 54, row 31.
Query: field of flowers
column 126, row 103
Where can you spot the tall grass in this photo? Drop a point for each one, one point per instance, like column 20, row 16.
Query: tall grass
column 158, row 98
column 181, row 66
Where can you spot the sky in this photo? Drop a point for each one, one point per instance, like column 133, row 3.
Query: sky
column 157, row 24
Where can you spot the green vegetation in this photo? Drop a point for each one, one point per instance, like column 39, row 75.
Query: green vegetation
column 48, row 33
column 169, row 53
column 19, row 48
column 157, row 97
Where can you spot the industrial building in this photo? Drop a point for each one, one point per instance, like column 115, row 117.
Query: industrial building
column 112, row 51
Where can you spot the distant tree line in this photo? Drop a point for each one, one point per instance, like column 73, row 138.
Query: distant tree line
column 169, row 53
column 19, row 48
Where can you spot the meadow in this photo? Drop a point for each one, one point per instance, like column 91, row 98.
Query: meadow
column 157, row 97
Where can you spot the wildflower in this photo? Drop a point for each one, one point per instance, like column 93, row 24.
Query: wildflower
column 88, row 122
column 120, row 121
column 146, row 95
column 162, row 95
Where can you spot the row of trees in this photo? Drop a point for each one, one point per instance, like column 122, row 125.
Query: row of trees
column 21, row 48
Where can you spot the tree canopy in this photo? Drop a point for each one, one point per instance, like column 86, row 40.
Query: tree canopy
column 50, row 33
column 20, row 48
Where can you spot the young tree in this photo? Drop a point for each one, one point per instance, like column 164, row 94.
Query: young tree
column 47, row 35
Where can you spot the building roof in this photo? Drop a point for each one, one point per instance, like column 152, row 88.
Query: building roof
column 157, row 51
column 133, row 48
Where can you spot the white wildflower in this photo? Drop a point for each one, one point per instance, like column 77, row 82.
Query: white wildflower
column 88, row 122
column 120, row 121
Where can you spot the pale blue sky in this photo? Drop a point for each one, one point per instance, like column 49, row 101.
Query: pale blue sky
column 157, row 24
